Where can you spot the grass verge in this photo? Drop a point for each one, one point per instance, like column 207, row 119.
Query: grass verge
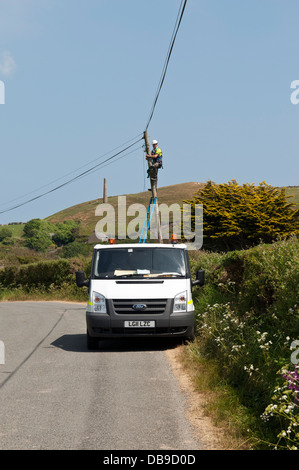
column 219, row 401
column 65, row 292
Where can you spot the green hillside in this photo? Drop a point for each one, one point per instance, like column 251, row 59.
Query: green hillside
column 85, row 212
column 293, row 191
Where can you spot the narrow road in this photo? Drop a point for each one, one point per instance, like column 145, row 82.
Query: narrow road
column 55, row 394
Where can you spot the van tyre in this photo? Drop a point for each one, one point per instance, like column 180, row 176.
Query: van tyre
column 191, row 337
column 92, row 343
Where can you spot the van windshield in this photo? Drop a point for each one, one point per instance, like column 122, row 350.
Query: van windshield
column 139, row 262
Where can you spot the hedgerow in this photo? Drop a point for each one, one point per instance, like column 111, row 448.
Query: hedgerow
column 247, row 321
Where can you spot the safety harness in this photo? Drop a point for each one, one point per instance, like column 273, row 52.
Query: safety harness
column 158, row 151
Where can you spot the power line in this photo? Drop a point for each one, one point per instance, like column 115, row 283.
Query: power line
column 95, row 167
column 68, row 174
column 119, row 158
column 169, row 52
column 84, row 173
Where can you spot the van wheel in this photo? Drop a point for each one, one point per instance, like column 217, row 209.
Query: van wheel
column 190, row 338
column 92, row 343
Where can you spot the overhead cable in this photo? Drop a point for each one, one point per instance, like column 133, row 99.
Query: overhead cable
column 84, row 173
column 170, row 49
column 68, row 174
column 90, row 170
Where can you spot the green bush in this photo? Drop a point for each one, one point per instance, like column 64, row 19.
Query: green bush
column 8, row 276
column 247, row 318
column 37, row 234
column 75, row 249
column 65, row 233
column 5, row 233
column 43, row 273
column 237, row 217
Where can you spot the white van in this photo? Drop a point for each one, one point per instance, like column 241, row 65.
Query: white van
column 139, row 290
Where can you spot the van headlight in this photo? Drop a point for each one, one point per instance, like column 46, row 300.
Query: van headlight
column 98, row 303
column 180, row 302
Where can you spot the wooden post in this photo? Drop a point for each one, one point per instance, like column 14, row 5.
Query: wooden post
column 105, row 198
column 153, row 187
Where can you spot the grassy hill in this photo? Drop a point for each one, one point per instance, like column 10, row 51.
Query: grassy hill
column 293, row 191
column 85, row 212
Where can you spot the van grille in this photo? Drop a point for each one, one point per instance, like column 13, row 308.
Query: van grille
column 153, row 306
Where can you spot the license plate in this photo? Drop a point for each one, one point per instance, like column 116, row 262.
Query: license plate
column 140, row 324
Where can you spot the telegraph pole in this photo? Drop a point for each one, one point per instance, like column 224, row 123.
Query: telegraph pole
column 105, row 198
column 153, row 188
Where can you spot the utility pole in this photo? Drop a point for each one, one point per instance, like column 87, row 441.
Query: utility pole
column 153, row 188
column 105, row 198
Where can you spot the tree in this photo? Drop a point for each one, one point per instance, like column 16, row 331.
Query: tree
column 237, row 216
column 37, row 234
column 31, row 227
column 5, row 233
column 65, row 233
column 75, row 249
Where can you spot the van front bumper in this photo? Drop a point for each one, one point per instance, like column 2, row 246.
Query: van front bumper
column 166, row 323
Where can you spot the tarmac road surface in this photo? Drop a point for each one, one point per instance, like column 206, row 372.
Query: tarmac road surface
column 55, row 394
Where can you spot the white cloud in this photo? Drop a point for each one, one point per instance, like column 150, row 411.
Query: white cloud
column 7, row 64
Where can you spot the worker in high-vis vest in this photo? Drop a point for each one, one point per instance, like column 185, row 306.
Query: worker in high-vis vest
column 156, row 159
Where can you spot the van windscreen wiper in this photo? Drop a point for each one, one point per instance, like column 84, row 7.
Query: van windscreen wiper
column 166, row 275
column 130, row 272
column 144, row 273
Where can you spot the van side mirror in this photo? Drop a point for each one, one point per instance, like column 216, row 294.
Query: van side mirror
column 80, row 279
column 200, row 279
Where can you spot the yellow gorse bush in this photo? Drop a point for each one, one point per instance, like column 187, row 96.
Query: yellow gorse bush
column 238, row 216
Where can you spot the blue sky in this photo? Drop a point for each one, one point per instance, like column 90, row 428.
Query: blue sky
column 80, row 78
